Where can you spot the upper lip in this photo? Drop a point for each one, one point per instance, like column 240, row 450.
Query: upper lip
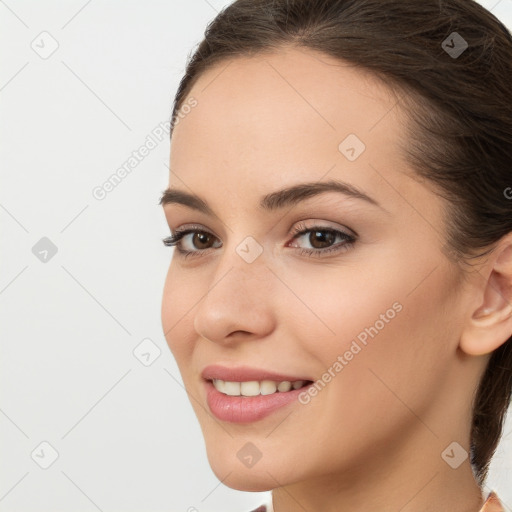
column 245, row 374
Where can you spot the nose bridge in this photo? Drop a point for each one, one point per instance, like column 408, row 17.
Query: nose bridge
column 242, row 271
column 239, row 297
column 244, row 252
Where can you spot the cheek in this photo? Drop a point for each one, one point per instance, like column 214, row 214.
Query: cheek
column 382, row 325
column 178, row 301
column 405, row 343
column 394, row 346
column 342, row 306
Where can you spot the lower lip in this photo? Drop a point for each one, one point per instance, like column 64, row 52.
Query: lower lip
column 246, row 409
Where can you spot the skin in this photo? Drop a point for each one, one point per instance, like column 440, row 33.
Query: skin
column 372, row 439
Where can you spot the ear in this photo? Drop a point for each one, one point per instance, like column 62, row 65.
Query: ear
column 490, row 323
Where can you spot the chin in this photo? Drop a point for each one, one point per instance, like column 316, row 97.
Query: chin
column 248, row 481
column 232, row 473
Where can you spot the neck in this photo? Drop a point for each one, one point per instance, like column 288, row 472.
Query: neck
column 410, row 481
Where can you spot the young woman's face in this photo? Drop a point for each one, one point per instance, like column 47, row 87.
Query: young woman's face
column 375, row 320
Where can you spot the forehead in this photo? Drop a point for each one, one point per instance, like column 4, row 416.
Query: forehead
column 275, row 119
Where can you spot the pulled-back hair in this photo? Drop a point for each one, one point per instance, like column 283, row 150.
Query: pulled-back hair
column 459, row 138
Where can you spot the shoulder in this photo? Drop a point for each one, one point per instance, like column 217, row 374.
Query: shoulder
column 264, row 508
column 492, row 504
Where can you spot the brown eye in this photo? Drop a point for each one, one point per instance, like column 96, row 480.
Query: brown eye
column 320, row 239
column 200, row 240
column 197, row 244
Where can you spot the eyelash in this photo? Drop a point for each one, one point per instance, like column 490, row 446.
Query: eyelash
column 299, row 230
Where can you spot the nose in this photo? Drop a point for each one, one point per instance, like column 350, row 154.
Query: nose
column 238, row 304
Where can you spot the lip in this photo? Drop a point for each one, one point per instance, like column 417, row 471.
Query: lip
column 246, row 374
column 247, row 409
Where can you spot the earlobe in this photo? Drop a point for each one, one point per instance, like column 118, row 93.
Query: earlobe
column 490, row 324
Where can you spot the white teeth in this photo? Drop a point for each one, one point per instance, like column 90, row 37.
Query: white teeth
column 232, row 388
column 286, row 385
column 267, row 387
column 254, row 388
column 219, row 385
column 251, row 388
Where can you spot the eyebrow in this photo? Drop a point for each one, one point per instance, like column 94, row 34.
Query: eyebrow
column 275, row 200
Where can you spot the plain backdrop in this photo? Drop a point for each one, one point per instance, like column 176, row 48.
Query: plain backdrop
column 92, row 412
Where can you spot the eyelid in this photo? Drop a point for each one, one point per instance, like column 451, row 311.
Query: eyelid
column 299, row 224
column 193, row 227
column 300, row 229
column 312, row 223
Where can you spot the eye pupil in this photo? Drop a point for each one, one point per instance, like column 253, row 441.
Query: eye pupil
column 203, row 238
column 325, row 237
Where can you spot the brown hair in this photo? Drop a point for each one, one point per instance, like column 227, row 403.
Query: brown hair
column 460, row 108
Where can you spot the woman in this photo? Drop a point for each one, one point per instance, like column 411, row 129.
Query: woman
column 339, row 301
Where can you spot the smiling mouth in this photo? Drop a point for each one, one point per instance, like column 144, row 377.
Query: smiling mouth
column 256, row 388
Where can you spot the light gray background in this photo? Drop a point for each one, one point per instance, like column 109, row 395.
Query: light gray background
column 125, row 433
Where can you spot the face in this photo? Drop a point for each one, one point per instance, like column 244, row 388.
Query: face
column 347, row 288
